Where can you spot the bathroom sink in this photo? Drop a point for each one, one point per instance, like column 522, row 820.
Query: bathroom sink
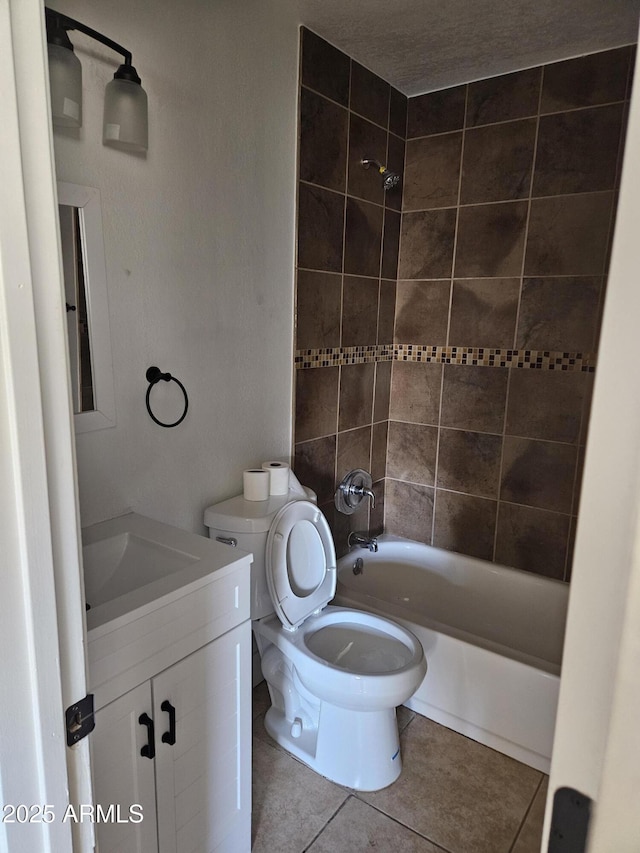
column 121, row 563
column 133, row 564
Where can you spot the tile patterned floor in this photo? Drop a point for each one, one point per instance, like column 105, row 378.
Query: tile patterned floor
column 454, row 796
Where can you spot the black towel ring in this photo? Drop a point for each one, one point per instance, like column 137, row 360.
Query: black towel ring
column 154, row 374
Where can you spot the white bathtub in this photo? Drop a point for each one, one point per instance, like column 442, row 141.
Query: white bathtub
column 492, row 637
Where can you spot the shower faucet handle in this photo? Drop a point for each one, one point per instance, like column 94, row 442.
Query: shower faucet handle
column 351, row 491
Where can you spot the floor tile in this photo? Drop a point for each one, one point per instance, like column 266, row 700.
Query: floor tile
column 456, row 792
column 530, row 836
column 291, row 803
column 358, row 827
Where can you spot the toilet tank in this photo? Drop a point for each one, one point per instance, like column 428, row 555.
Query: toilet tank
column 247, row 523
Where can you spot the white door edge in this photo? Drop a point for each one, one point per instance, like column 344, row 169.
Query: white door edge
column 606, row 569
column 34, row 357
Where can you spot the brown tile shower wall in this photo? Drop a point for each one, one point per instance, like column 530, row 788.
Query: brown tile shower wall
column 348, row 239
column 509, row 199
column 507, row 214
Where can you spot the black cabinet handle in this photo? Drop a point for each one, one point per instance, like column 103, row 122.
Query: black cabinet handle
column 170, row 736
column 149, row 749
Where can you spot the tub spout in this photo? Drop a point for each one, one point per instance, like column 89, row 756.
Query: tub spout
column 362, row 540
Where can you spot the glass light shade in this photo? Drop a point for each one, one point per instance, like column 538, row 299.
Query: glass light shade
column 125, row 116
column 65, row 83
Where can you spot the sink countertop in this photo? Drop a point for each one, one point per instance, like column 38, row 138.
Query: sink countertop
column 190, row 561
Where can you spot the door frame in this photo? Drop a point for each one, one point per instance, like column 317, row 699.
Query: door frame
column 44, row 620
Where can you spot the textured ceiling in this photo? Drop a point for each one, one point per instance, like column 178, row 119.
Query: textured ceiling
column 423, row 45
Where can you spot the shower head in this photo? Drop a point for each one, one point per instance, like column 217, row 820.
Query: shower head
column 389, row 179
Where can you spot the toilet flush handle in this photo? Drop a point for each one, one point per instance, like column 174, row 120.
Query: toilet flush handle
column 227, row 540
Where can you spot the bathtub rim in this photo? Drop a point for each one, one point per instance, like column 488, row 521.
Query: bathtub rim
column 348, row 597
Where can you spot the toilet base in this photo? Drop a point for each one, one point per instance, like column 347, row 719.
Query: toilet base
column 358, row 749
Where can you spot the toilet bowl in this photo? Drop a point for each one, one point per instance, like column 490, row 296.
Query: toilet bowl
column 335, row 675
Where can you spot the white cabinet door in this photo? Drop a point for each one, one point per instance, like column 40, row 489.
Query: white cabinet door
column 203, row 780
column 123, row 776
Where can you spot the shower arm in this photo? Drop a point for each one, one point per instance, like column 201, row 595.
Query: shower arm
column 367, row 163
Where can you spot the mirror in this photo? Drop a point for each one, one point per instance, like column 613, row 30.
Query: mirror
column 85, row 284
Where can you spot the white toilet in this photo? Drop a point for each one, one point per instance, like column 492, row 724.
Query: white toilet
column 335, row 675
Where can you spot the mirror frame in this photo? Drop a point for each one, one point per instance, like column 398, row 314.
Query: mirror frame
column 87, row 201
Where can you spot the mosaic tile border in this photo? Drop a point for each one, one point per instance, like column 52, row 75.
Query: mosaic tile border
column 477, row 356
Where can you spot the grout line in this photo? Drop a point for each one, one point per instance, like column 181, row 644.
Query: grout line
column 438, row 847
column 527, row 117
column 504, row 201
column 517, row 321
column 462, row 277
column 527, row 812
column 331, row 818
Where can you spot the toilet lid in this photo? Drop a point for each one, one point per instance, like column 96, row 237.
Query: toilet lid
column 300, row 562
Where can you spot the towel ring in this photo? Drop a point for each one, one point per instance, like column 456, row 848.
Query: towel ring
column 154, row 375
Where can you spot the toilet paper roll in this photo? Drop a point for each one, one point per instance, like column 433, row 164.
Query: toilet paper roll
column 255, row 483
column 279, row 477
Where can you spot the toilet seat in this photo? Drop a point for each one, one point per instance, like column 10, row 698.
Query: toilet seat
column 300, row 563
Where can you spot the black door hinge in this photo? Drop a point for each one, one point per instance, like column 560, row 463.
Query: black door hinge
column 569, row 821
column 79, row 719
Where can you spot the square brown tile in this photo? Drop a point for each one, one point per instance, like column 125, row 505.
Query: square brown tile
column 432, row 171
column 503, row 98
column 380, row 432
column 382, row 391
column 367, row 141
column 568, row 235
column 320, row 228
column 316, row 402
column 598, row 78
column 534, row 540
column 369, row 95
column 538, row 473
column 491, row 240
column 484, row 312
column 398, row 113
column 436, row 112
column 422, row 312
column 497, row 163
column 390, row 244
column 318, row 306
column 465, row 524
column 387, row 311
column 545, row 404
column 415, row 392
column 411, row 452
column 474, row 398
column 469, row 462
column 356, row 395
column 323, row 141
column 578, row 151
column 456, row 792
column 354, row 451
column 426, row 244
column 315, row 465
column 359, row 311
column 408, row 510
column 363, row 238
column 358, row 827
column 325, row 68
column 559, row 314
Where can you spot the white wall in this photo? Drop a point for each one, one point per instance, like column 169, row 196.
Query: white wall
column 199, row 242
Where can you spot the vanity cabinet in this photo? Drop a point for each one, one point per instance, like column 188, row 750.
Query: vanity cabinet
column 171, row 678
column 195, row 790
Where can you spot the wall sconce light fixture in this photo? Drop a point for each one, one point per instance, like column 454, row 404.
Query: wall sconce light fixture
column 125, row 122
